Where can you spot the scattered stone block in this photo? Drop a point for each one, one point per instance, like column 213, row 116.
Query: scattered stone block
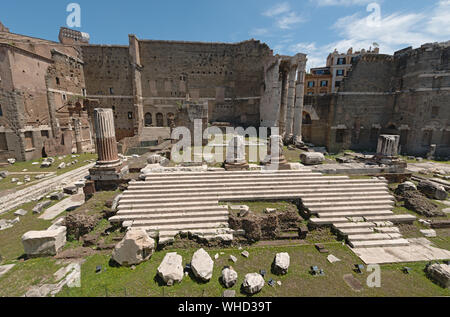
column 253, row 283
column 11, row 161
column 440, row 274
column 20, row 212
column 430, row 233
column 321, row 248
column 57, row 196
column 281, row 263
column 216, row 256
column 229, row 277
column 233, row 258
column 44, row 243
column 202, row 265
column 312, row 158
column 229, row 293
column 14, row 180
column 245, row 254
column 333, row 259
column 41, row 206
column 135, row 248
column 432, row 190
column 171, row 269
column 5, row 269
column 303, row 231
column 4, row 174
column 71, row 190
column 270, row 210
column 62, row 166
column 405, row 186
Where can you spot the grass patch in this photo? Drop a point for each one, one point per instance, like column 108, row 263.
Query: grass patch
column 119, row 281
column 258, row 207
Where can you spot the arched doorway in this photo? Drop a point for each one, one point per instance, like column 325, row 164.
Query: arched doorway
column 148, row 119
column 306, row 126
column 170, row 119
column 159, row 120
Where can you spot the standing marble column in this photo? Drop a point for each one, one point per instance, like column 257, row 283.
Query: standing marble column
column 78, row 136
column 290, row 104
column 110, row 170
column 299, row 99
column 105, row 136
column 284, row 99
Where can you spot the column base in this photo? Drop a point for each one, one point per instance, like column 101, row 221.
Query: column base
column 108, row 176
column 236, row 166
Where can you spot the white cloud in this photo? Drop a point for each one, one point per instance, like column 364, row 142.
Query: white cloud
column 440, row 21
column 277, row 9
column 325, row 3
column 289, row 20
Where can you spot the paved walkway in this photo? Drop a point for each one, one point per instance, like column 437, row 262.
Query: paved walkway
column 71, row 202
column 20, row 197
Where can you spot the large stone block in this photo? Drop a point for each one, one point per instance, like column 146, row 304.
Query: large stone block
column 432, row 190
column 281, row 263
column 44, row 243
column 312, row 158
column 202, row 265
column 440, row 274
column 135, row 248
column 253, row 283
column 171, row 269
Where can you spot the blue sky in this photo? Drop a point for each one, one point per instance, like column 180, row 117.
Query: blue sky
column 315, row 27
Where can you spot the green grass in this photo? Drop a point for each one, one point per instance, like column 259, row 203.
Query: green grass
column 18, row 167
column 120, row 281
column 258, row 207
column 26, row 274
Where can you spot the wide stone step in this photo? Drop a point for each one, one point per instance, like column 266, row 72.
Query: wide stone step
column 327, row 221
column 379, row 243
column 373, row 236
column 354, row 225
column 153, row 210
column 387, row 229
column 368, row 207
column 353, row 231
column 372, row 201
column 140, row 204
column 367, row 196
column 393, row 218
column 179, row 221
column 203, row 231
column 236, row 173
column 313, row 180
column 174, row 215
column 182, row 226
column 360, row 213
column 209, row 176
column 155, row 200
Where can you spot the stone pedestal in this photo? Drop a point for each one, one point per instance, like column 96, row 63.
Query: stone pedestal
column 109, row 169
column 388, row 145
column 276, row 157
column 236, row 154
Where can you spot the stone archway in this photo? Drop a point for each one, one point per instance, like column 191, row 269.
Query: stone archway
column 306, row 126
column 159, row 120
column 148, row 119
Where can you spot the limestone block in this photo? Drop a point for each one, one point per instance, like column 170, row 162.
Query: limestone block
column 171, row 269
column 440, row 273
column 202, row 265
column 432, row 190
column 312, row 158
column 135, row 248
column 253, row 283
column 41, row 206
column 281, row 263
column 44, row 243
column 229, row 277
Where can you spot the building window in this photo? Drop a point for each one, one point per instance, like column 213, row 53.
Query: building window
column 306, row 118
column 341, row 61
column 310, row 84
column 44, row 134
column 353, row 59
column 434, row 112
column 340, row 136
column 57, row 81
column 111, row 91
column 170, row 119
column 340, row 72
column 130, row 115
column 29, row 142
column 159, row 120
column 337, row 83
column 84, row 92
column 148, row 119
column 1, row 111
column 64, row 97
column 324, row 83
column 3, row 143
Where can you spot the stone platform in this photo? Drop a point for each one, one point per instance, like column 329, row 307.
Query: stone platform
column 168, row 203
